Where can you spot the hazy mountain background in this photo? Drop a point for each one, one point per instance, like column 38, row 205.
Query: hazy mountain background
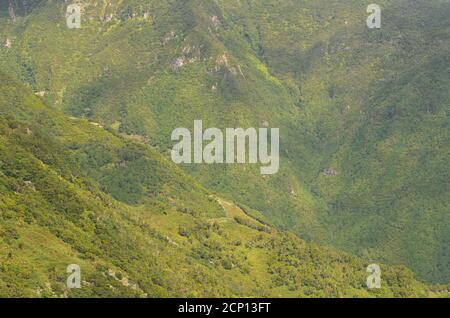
column 363, row 117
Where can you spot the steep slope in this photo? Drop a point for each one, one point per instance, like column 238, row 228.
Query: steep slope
column 379, row 101
column 363, row 113
column 146, row 68
column 173, row 238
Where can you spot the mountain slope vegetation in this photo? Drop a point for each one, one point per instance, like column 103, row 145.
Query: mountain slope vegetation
column 363, row 114
column 174, row 239
column 379, row 100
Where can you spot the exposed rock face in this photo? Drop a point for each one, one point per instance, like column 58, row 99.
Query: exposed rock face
column 330, row 172
column 8, row 43
column 215, row 22
column 222, row 62
column 109, row 18
column 187, row 49
column 240, row 71
column 172, row 35
column 178, row 63
column 190, row 55
column 11, row 11
column 30, row 185
column 96, row 124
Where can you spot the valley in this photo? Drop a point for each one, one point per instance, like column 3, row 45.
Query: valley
column 361, row 176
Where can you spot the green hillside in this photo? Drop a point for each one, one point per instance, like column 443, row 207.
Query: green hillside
column 379, row 102
column 173, row 238
column 119, row 71
column 371, row 106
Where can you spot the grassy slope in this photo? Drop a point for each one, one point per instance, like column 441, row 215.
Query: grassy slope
column 341, row 94
column 56, row 211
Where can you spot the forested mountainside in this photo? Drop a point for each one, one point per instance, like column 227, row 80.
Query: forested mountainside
column 174, row 238
column 379, row 101
column 363, row 114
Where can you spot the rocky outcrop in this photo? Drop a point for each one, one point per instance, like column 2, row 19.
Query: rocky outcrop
column 330, row 172
column 8, row 43
column 11, row 11
column 178, row 63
